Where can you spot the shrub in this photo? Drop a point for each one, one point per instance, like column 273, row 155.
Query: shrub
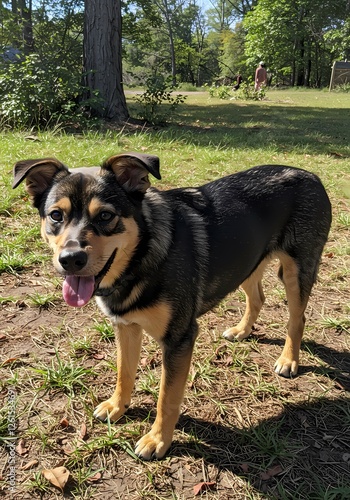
column 343, row 87
column 221, row 91
column 36, row 93
column 247, row 92
column 158, row 91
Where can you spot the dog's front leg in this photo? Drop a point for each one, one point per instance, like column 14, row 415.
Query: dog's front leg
column 128, row 340
column 176, row 365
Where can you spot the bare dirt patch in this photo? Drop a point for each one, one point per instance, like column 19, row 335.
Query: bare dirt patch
column 244, row 432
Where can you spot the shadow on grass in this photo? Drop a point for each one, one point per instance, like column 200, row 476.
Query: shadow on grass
column 301, row 454
column 236, row 124
column 337, row 363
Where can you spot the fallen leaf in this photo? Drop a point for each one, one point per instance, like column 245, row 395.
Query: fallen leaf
column 143, row 362
column 9, row 361
column 95, row 477
column 245, row 467
column 30, row 465
column 330, row 255
column 274, row 471
column 20, row 448
column 64, row 423
column 2, row 337
column 67, row 450
column 58, row 476
column 83, row 431
column 201, row 487
column 98, row 355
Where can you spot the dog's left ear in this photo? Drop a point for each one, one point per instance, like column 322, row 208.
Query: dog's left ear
column 132, row 169
column 39, row 175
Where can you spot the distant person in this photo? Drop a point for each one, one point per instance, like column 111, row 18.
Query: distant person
column 260, row 76
column 239, row 81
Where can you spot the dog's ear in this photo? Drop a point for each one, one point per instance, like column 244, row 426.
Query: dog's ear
column 38, row 174
column 132, row 169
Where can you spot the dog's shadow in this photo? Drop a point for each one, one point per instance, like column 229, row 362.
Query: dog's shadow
column 308, row 441
column 336, row 363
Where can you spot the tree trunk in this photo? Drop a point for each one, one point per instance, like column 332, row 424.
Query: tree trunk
column 24, row 16
column 167, row 15
column 102, row 59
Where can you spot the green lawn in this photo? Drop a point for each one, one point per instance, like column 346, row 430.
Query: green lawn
column 248, row 432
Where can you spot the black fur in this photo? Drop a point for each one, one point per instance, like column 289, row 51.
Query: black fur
column 194, row 246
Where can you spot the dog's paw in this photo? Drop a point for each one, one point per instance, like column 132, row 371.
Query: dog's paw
column 286, row 367
column 151, row 446
column 237, row 333
column 109, row 409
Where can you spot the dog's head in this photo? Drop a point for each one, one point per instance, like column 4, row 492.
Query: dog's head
column 90, row 216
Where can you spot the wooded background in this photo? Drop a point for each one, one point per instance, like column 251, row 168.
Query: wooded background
column 197, row 43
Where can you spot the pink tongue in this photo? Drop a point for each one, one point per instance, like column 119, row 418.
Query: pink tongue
column 78, row 290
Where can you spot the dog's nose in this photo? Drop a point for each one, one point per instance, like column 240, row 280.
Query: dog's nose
column 73, row 260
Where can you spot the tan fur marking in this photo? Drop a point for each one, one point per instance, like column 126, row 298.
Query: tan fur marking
column 63, row 204
column 126, row 243
column 133, row 296
column 43, row 231
column 57, row 242
column 128, row 340
column 171, row 394
column 154, row 320
column 254, row 301
column 288, row 362
column 96, row 206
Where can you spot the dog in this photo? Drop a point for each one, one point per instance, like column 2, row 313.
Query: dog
column 157, row 260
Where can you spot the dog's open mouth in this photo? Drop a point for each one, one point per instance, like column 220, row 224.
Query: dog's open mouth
column 78, row 290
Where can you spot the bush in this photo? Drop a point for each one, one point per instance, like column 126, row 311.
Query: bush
column 247, row 92
column 343, row 87
column 221, row 91
column 36, row 93
column 158, row 91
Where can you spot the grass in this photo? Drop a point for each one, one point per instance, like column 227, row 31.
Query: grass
column 63, row 376
column 252, row 433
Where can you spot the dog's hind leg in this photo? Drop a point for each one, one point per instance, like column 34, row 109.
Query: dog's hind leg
column 287, row 364
column 255, row 299
column 128, row 340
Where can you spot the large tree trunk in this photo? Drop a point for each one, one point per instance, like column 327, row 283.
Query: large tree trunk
column 23, row 13
column 102, row 64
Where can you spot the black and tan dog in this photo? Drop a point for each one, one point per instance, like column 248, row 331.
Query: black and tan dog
column 156, row 260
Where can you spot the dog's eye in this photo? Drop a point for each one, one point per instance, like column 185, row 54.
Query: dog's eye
column 105, row 216
column 56, row 216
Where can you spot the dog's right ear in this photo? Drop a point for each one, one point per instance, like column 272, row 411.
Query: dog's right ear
column 39, row 175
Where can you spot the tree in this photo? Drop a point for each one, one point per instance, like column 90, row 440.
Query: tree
column 290, row 36
column 102, row 59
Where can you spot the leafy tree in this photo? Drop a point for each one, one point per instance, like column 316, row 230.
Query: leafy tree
column 290, row 35
column 232, row 59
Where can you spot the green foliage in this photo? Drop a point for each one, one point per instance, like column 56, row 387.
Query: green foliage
column 38, row 93
column 300, row 35
column 232, row 59
column 221, row 91
column 343, row 87
column 245, row 92
column 158, row 92
column 66, row 377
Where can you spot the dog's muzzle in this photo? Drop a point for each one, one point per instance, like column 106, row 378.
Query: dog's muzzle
column 79, row 289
